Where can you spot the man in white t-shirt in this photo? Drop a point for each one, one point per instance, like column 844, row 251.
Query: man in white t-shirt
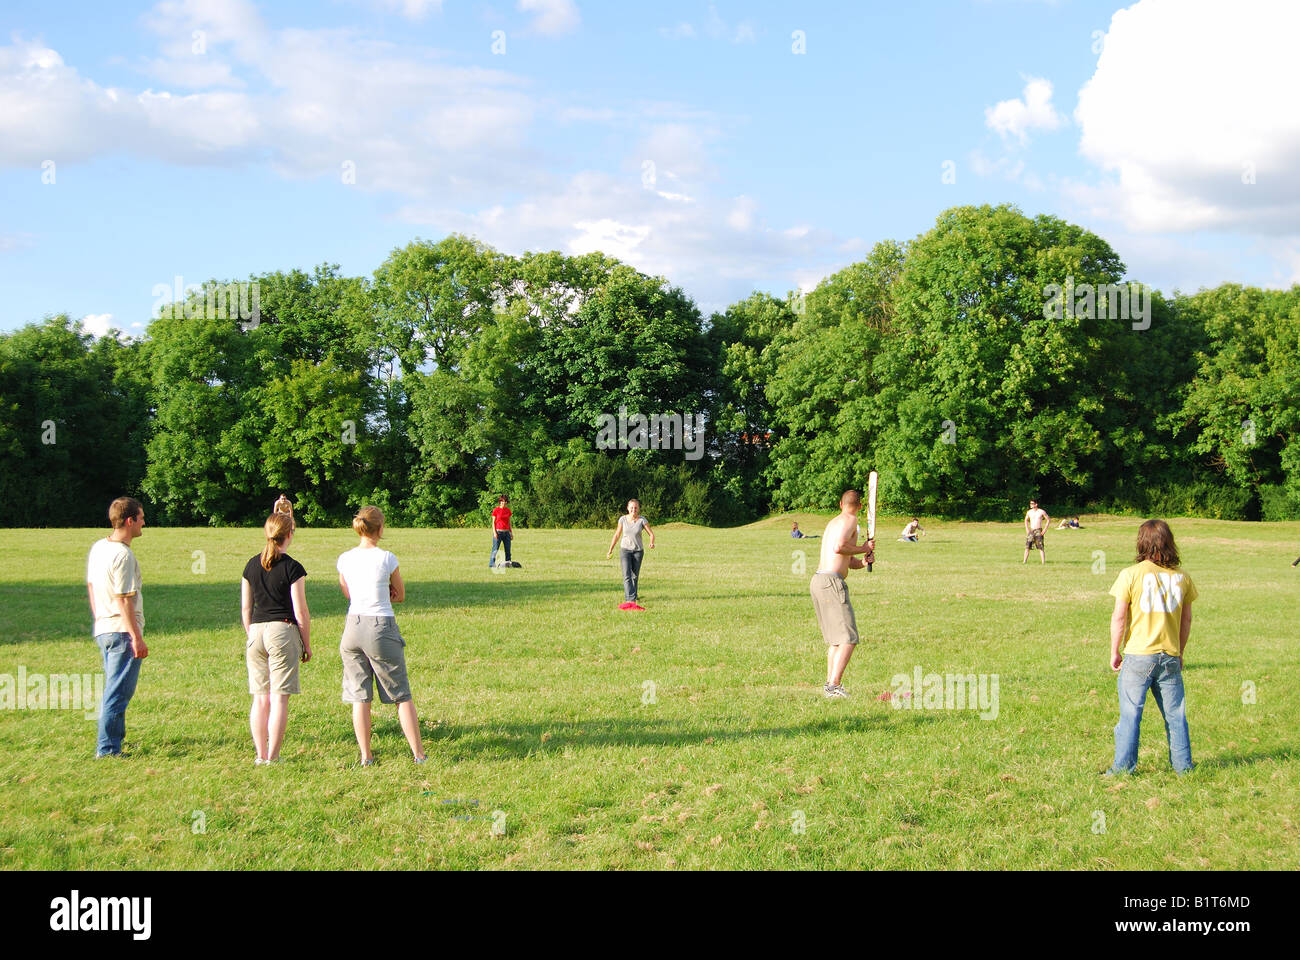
column 115, row 589
column 1036, row 522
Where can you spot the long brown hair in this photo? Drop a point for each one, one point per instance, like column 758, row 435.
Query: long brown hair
column 1156, row 543
column 278, row 529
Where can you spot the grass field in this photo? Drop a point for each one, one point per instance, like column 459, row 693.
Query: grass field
column 693, row 735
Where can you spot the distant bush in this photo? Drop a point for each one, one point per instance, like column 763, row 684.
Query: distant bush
column 593, row 489
column 1275, row 503
column 1216, row 501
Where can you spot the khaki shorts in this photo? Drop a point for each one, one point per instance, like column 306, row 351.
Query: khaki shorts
column 273, row 654
column 373, row 649
column 830, row 595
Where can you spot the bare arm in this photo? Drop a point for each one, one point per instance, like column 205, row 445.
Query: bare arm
column 126, row 607
column 396, row 588
column 298, row 592
column 618, row 527
column 1184, row 629
column 652, row 534
column 343, row 585
column 246, row 604
column 1118, row 626
column 90, row 590
column 847, row 545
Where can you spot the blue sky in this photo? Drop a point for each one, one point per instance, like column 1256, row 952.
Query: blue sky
column 210, row 138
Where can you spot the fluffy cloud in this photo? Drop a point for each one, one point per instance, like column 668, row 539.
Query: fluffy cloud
column 1014, row 119
column 552, row 17
column 458, row 147
column 97, row 324
column 1190, row 101
column 717, row 248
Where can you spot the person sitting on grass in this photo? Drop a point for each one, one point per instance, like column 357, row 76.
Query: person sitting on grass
column 1069, row 523
column 1152, row 619
column 799, row 534
column 372, row 646
column 912, row 532
column 277, row 625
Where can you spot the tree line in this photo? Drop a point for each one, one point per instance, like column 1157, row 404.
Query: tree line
column 991, row 358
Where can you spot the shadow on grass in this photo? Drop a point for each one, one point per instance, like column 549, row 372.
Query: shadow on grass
column 54, row 612
column 524, row 739
column 1226, row 761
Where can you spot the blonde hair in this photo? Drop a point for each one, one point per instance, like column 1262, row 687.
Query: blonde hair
column 368, row 522
column 278, row 528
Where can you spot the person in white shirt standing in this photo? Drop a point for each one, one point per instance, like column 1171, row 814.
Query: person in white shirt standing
column 1036, row 523
column 114, row 585
column 372, row 646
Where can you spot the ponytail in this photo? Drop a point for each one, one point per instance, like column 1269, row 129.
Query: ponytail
column 278, row 528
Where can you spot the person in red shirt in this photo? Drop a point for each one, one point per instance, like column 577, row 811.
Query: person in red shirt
column 502, row 534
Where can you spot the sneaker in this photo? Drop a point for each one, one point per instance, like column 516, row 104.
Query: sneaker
column 368, row 763
column 419, row 759
column 834, row 691
column 259, row 762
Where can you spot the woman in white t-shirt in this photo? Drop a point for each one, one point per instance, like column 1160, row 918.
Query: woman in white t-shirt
column 372, row 647
column 628, row 533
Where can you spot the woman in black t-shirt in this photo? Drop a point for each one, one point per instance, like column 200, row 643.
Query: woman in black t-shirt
column 273, row 597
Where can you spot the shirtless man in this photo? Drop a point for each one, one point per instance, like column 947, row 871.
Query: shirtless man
column 1036, row 522
column 830, row 594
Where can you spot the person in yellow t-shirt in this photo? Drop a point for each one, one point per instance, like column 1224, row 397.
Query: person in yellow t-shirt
column 1152, row 619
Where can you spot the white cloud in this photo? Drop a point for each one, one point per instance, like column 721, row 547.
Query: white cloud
column 458, row 146
column 552, row 17
column 407, row 121
column 97, row 324
column 658, row 235
column 1016, row 118
column 412, row 9
column 714, row 27
column 683, row 31
column 1188, row 98
column 742, row 213
column 16, row 241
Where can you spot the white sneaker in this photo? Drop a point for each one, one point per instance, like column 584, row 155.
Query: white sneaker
column 833, row 691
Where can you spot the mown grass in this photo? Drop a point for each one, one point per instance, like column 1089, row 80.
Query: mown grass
column 532, row 691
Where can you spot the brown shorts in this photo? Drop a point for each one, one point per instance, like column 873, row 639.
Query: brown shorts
column 273, row 652
column 830, row 595
column 1034, row 540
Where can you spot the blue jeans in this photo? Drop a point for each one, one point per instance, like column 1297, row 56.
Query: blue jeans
column 499, row 538
column 121, row 671
column 1163, row 676
column 631, row 573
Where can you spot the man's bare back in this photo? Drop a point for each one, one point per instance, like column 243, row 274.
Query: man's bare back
column 840, row 533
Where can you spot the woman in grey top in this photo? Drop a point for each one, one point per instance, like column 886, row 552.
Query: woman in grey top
column 627, row 533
